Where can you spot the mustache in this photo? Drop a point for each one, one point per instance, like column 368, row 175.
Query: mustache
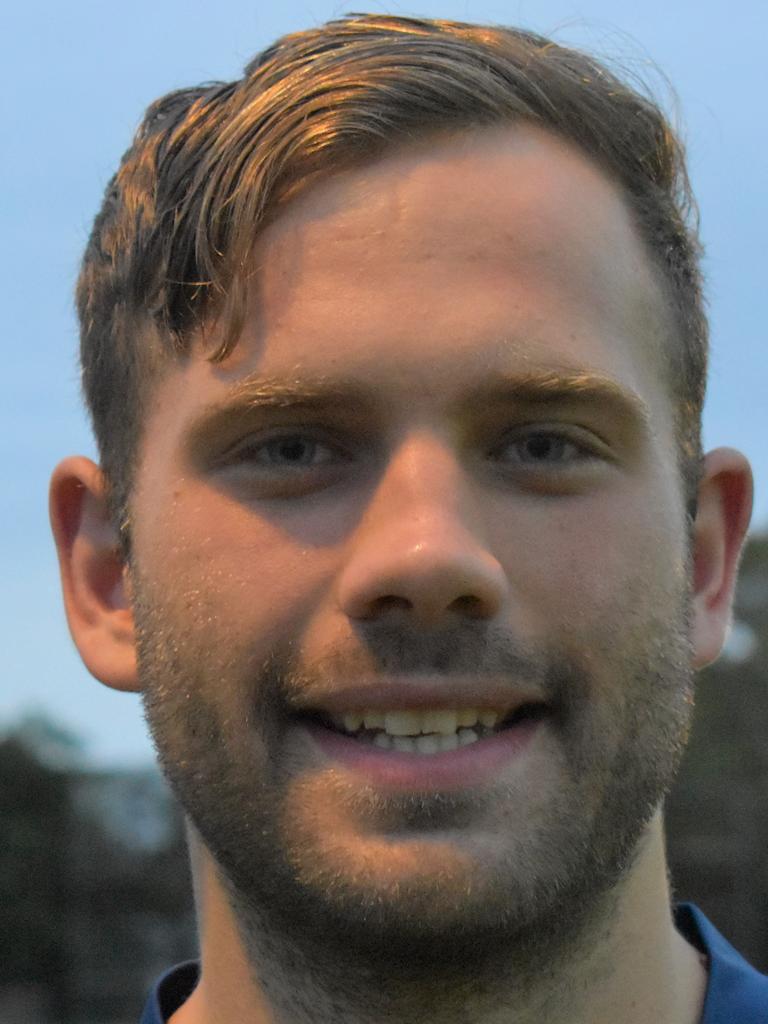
column 467, row 651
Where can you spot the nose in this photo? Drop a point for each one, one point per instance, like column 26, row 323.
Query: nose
column 419, row 550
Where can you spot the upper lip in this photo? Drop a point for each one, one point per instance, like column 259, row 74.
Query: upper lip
column 422, row 693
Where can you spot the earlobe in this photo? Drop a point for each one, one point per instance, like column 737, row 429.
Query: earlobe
column 94, row 576
column 722, row 518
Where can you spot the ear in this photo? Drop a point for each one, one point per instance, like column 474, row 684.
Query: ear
column 722, row 518
column 94, row 576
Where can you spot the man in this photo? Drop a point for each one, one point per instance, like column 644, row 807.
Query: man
column 395, row 354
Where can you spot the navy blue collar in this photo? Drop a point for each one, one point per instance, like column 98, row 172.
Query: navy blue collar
column 174, row 988
column 736, row 992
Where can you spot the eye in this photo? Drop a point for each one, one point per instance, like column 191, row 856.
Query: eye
column 543, row 448
column 557, row 459
column 289, row 451
column 288, row 464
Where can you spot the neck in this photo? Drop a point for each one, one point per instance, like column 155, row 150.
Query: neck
column 630, row 964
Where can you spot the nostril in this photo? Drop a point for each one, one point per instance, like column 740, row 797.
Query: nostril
column 469, row 605
column 422, row 582
column 390, row 602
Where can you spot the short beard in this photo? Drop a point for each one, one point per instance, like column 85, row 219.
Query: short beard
column 257, row 820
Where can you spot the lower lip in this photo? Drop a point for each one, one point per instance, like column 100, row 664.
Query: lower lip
column 475, row 764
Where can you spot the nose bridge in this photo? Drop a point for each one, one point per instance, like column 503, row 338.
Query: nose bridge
column 420, row 548
column 423, row 471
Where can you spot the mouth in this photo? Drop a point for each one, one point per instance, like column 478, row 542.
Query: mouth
column 426, row 731
column 425, row 748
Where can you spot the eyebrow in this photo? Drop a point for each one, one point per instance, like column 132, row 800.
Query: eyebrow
column 285, row 392
column 565, row 387
column 300, row 393
column 323, row 392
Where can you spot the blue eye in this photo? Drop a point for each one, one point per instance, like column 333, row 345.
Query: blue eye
column 288, row 451
column 542, row 448
column 294, row 450
column 286, row 464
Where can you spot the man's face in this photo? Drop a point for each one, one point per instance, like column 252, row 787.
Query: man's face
column 437, row 476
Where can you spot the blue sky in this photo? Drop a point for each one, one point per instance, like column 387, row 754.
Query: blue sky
column 76, row 78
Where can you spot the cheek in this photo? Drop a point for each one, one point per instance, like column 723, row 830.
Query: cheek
column 581, row 565
column 230, row 573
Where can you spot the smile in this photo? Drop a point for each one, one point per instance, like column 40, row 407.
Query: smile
column 427, row 731
column 424, row 748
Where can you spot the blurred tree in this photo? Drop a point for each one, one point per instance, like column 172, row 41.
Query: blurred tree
column 95, row 896
column 36, row 812
column 717, row 815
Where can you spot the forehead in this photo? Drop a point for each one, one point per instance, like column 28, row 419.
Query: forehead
column 513, row 210
column 503, row 248
column 504, row 192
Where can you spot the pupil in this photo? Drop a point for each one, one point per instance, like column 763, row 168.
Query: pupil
column 541, row 447
column 293, row 451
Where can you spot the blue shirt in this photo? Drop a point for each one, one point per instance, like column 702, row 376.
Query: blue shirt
column 736, row 992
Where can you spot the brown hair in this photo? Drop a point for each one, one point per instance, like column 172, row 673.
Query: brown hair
column 209, row 166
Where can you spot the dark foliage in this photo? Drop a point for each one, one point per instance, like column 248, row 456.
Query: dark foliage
column 717, row 816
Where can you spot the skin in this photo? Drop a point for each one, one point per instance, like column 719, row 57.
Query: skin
column 487, row 477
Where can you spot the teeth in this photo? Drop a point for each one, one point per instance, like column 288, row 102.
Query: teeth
column 433, row 744
column 466, row 736
column 404, row 744
column 373, row 719
column 442, row 722
column 403, row 723
column 437, row 723
column 427, row 744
